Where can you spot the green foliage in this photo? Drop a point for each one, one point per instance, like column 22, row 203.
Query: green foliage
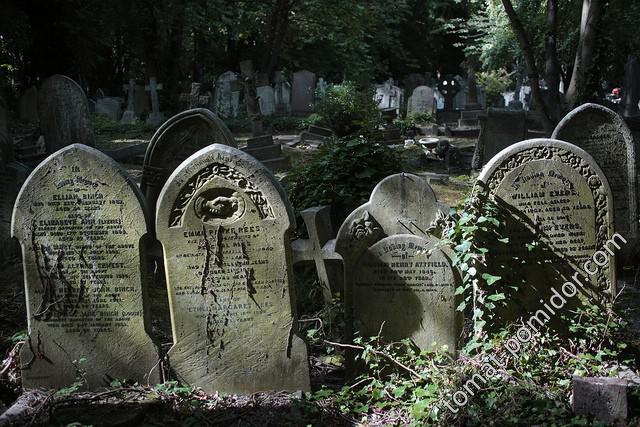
column 494, row 82
column 104, row 125
column 19, row 336
column 348, row 110
column 414, row 119
column 341, row 174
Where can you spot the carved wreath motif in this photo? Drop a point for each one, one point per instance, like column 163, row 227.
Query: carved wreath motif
column 205, row 175
column 581, row 166
column 364, row 227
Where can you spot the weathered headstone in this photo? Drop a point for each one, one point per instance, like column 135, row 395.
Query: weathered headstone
column 225, row 222
column 404, row 287
column 388, row 96
column 110, row 107
column 12, row 176
column 129, row 115
column 282, row 94
column 156, row 117
column 399, row 204
column 177, row 139
column 223, row 98
column 498, row 129
column 79, row 220
column 28, row 105
column 321, row 88
column 267, row 100
column 606, row 137
column 194, row 99
column 64, row 113
column 556, row 208
column 304, row 83
column 421, row 101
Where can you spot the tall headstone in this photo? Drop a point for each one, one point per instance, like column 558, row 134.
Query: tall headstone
column 556, row 208
column 155, row 117
column 404, row 287
column 177, row 139
column 28, row 105
column 606, row 137
column 225, row 223
column 129, row 115
column 498, row 129
column 304, row 83
column 266, row 99
column 64, row 113
column 631, row 88
column 422, row 100
column 388, row 96
column 282, row 94
column 223, row 97
column 402, row 204
column 321, row 88
column 79, row 219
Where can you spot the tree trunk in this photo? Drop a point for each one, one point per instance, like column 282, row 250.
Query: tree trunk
column 534, row 76
column 552, row 65
column 278, row 26
column 591, row 14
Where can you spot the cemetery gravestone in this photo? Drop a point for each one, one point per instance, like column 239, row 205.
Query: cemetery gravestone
column 401, row 204
column 556, row 208
column 304, row 83
column 282, row 94
column 422, row 100
column 129, row 115
column 225, row 223
column 156, row 117
column 606, row 137
column 416, row 288
column 141, row 100
column 28, row 105
column 388, row 96
column 64, row 113
column 266, row 100
column 177, row 139
column 498, row 129
column 110, row 107
column 223, row 98
column 79, row 219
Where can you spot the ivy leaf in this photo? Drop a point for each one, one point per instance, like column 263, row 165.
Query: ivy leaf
column 496, row 297
column 490, row 278
column 461, row 306
column 464, row 246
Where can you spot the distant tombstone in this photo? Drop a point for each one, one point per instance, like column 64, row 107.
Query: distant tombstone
column 266, row 100
column 225, row 223
column 439, row 99
column 388, row 96
column 321, row 88
column 64, row 113
column 404, row 287
column 556, row 208
column 155, row 117
column 194, row 99
column 631, row 88
column 129, row 115
column 412, row 81
column 498, row 130
column 28, row 105
column 460, row 99
column 304, row 83
column 176, row 140
column 422, row 100
column 282, row 94
column 110, row 107
column 223, row 95
column 399, row 204
column 12, row 176
column 449, row 87
column 141, row 100
column 79, row 220
column 606, row 137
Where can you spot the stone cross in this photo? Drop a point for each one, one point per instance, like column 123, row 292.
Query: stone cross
column 193, row 99
column 251, row 97
column 156, row 117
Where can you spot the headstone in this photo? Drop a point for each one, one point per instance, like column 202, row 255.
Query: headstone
column 606, row 137
column 266, row 100
column 141, row 100
column 439, row 99
column 422, row 100
column 194, row 99
column 556, row 208
column 631, row 88
column 267, row 151
column 388, row 96
column 449, row 87
column 321, row 88
column 404, row 287
column 110, row 107
column 28, row 105
column 399, row 204
column 460, row 98
column 12, row 176
column 498, row 130
column 129, row 115
column 79, row 220
column 156, row 117
column 225, row 222
column 251, row 100
column 64, row 113
column 604, row 398
column 412, row 81
column 176, row 140
column 282, row 94
column 304, row 83
column 223, row 98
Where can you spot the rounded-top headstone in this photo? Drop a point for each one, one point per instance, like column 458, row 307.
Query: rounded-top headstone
column 63, row 111
column 224, row 222
column 176, row 140
column 79, row 219
column 606, row 137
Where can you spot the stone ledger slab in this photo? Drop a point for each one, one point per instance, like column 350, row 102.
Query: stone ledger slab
column 79, row 220
column 224, row 222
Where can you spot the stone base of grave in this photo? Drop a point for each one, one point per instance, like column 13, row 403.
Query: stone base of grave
column 269, row 153
column 606, row 399
column 316, row 136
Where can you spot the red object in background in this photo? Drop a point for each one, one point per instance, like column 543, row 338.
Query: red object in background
column 616, row 91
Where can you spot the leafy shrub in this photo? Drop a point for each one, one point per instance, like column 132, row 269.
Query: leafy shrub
column 341, row 174
column 104, row 125
column 494, row 83
column 348, row 110
column 414, row 119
